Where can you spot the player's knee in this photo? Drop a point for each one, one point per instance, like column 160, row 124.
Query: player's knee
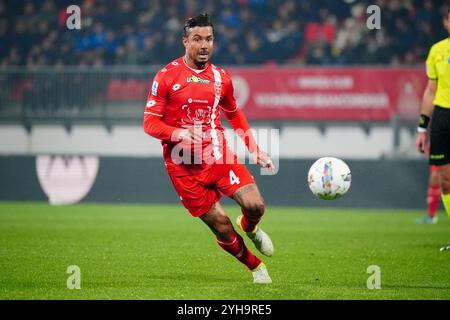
column 255, row 208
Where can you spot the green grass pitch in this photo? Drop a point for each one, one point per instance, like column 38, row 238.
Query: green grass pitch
column 161, row 252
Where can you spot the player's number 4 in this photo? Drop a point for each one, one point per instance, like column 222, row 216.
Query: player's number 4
column 234, row 178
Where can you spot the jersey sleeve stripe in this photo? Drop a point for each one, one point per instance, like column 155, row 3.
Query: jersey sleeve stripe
column 155, row 114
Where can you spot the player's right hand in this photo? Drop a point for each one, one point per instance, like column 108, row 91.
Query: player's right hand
column 189, row 135
column 421, row 141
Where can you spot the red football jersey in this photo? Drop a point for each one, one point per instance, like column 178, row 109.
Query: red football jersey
column 185, row 97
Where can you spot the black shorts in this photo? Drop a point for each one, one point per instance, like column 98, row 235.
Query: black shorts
column 440, row 136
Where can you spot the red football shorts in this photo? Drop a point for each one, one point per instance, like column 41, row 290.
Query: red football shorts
column 198, row 192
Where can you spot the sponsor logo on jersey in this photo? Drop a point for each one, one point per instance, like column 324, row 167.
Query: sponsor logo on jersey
column 196, row 79
column 155, row 88
column 176, row 87
column 198, row 101
column 151, row 103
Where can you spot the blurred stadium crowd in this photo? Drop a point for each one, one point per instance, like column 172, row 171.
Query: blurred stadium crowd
column 125, row 32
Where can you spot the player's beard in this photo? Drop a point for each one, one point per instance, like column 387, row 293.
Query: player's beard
column 195, row 58
column 201, row 63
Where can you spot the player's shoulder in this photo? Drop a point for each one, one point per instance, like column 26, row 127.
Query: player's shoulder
column 170, row 69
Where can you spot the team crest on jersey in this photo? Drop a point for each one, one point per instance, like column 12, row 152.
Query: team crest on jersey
column 155, row 88
column 196, row 79
column 202, row 115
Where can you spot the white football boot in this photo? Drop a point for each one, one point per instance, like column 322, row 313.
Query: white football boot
column 261, row 275
column 259, row 238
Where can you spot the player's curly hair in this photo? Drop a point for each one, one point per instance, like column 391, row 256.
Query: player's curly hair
column 202, row 20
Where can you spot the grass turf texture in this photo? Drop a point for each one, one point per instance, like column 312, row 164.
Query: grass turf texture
column 160, row 252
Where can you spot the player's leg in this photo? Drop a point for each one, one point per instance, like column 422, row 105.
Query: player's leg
column 252, row 206
column 434, row 192
column 444, row 177
column 433, row 197
column 229, row 240
column 202, row 201
column 236, row 182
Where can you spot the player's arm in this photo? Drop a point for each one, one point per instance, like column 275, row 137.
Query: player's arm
column 428, row 97
column 240, row 125
column 154, row 126
column 154, row 112
column 427, row 100
column 425, row 114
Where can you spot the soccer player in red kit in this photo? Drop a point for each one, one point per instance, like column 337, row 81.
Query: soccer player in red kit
column 184, row 108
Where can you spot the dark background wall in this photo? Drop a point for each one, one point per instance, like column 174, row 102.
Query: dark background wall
column 376, row 184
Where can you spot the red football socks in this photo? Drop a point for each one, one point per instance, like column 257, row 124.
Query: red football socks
column 433, row 198
column 248, row 222
column 236, row 247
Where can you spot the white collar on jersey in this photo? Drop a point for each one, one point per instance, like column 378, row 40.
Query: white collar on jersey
column 197, row 71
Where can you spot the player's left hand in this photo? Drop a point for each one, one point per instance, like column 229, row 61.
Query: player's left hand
column 263, row 159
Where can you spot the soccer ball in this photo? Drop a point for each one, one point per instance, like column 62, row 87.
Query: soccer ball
column 329, row 178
